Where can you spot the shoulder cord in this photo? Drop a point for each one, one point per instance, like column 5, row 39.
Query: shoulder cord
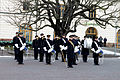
column 71, row 43
column 20, row 40
column 96, row 44
column 48, row 43
column 64, row 40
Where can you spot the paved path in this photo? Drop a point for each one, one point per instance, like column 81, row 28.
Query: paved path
column 34, row 70
column 112, row 49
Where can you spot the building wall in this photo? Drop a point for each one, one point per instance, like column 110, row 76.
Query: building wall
column 8, row 31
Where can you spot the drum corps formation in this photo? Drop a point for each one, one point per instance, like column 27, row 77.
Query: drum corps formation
column 68, row 49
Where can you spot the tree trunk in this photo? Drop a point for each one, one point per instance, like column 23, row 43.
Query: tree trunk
column 59, row 32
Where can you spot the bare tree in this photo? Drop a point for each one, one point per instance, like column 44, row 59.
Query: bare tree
column 48, row 13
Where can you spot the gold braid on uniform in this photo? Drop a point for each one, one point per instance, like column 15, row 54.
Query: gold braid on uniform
column 71, row 43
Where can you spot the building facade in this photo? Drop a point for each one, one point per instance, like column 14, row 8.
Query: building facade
column 7, row 31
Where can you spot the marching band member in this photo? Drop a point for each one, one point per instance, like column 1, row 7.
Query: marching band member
column 63, row 47
column 70, row 52
column 75, row 42
column 20, row 44
column 48, row 49
column 85, row 51
column 41, row 45
column 56, row 43
column 77, row 47
column 94, row 49
column 15, row 49
column 35, row 46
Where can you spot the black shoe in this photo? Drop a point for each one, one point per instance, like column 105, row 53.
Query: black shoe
column 48, row 63
column 35, row 59
column 63, row 61
column 40, row 60
column 85, row 61
column 20, row 63
column 96, row 64
column 74, row 64
column 70, row 67
column 56, row 58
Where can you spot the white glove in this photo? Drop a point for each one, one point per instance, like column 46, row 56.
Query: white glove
column 93, row 49
column 45, row 48
column 33, row 48
column 65, row 48
column 61, row 47
column 76, row 49
column 79, row 43
column 98, row 50
column 24, row 44
column 22, row 48
column 78, row 46
column 16, row 45
column 50, row 50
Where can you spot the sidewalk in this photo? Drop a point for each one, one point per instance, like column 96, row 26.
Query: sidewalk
column 112, row 49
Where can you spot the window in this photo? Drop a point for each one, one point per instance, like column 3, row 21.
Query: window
column 62, row 8
column 26, row 5
column 91, row 32
column 27, row 32
column 92, row 12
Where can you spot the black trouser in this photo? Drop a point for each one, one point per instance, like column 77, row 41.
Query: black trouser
column 70, row 62
column 101, row 44
column 74, row 58
column 63, row 55
column 16, row 53
column 20, row 57
column 84, row 58
column 35, row 53
column 41, row 55
column 96, row 58
column 48, row 58
column 104, row 44
column 56, row 57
